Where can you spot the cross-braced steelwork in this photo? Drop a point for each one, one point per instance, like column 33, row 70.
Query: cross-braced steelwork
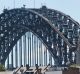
column 57, row 31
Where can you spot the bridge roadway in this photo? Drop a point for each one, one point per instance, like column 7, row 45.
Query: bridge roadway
column 34, row 70
column 46, row 70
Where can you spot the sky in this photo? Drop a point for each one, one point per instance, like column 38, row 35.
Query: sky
column 69, row 7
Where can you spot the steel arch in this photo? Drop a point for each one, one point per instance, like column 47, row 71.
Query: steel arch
column 62, row 21
column 27, row 19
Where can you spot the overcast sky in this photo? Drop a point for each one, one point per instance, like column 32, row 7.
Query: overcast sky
column 69, row 7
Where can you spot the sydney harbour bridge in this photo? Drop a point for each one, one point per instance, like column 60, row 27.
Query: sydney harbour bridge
column 38, row 36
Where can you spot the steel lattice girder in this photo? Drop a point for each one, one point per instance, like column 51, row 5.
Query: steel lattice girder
column 52, row 27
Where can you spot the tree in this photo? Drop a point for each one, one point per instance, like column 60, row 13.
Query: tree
column 2, row 68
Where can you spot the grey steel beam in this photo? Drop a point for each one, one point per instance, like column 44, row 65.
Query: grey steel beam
column 32, row 52
column 16, row 56
column 20, row 50
column 30, row 49
column 12, row 59
column 37, row 50
column 25, row 56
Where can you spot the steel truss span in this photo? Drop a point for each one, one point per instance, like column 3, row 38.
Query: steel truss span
column 57, row 31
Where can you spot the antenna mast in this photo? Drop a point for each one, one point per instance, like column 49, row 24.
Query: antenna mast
column 43, row 3
column 14, row 3
column 34, row 3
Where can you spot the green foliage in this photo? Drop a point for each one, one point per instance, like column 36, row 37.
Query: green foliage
column 2, row 68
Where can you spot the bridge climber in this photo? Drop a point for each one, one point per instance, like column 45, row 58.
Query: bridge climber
column 58, row 32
